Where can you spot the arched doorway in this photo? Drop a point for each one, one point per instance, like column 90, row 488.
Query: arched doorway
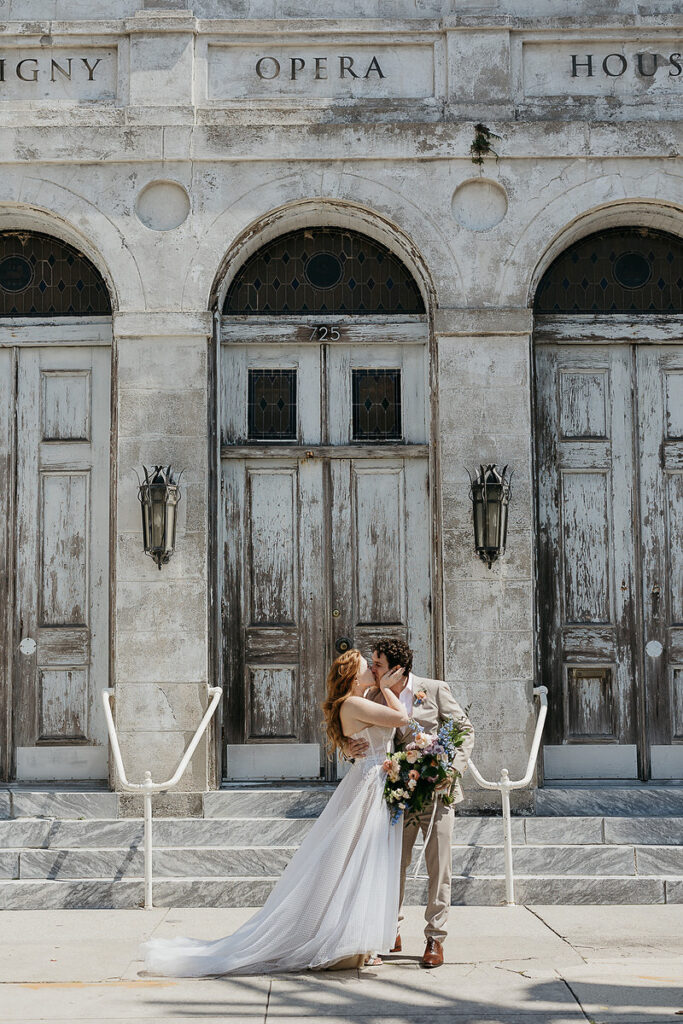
column 326, row 527
column 55, row 343
column 609, row 444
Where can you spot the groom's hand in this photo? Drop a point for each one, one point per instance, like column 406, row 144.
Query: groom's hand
column 356, row 748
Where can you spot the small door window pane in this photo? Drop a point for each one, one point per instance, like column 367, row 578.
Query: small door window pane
column 376, row 405
column 272, row 405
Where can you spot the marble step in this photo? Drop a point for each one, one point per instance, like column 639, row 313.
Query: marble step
column 17, row 802
column 239, row 862
column 128, row 832
column 41, row 833
column 610, row 801
column 306, row 802
column 252, row 892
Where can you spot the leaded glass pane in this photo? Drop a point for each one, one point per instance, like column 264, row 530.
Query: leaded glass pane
column 43, row 276
column 272, row 405
column 620, row 270
column 376, row 405
column 323, row 270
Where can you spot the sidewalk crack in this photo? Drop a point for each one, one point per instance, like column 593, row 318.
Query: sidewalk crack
column 563, row 937
column 578, row 1001
column 270, row 989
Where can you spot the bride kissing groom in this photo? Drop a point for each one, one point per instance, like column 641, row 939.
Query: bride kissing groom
column 429, row 703
column 338, row 900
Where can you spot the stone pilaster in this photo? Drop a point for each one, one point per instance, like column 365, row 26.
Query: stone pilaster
column 161, row 627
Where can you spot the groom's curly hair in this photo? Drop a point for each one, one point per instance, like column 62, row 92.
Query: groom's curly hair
column 397, row 652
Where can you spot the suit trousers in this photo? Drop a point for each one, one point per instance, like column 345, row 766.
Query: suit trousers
column 439, row 861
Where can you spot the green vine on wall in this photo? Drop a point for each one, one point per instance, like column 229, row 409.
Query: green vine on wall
column 481, row 147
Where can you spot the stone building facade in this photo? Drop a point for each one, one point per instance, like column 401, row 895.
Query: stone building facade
column 483, row 206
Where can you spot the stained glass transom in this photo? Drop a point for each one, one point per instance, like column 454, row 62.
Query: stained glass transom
column 376, row 405
column 620, row 270
column 323, row 270
column 43, row 276
column 271, row 411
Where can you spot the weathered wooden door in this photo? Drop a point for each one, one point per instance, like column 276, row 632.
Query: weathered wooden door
column 326, row 528
column 609, row 434
column 659, row 375
column 57, row 549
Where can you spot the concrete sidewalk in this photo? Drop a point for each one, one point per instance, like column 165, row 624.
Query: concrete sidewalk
column 546, row 965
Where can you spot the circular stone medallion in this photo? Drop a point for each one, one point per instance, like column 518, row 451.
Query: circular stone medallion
column 479, row 204
column 163, row 205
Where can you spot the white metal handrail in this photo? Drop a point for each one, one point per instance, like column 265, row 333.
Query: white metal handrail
column 506, row 784
column 147, row 787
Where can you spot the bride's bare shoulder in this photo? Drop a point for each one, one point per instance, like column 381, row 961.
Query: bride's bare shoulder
column 353, row 702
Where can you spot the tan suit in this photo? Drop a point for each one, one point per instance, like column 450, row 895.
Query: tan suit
column 430, row 712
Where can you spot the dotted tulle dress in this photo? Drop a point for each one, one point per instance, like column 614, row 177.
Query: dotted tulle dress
column 337, row 898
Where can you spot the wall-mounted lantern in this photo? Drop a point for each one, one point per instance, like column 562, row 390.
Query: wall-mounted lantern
column 490, row 495
column 159, row 495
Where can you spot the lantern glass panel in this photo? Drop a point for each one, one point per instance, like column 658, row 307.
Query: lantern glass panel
column 492, row 523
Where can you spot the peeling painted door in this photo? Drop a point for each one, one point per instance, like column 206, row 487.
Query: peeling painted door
column 59, row 658
column 659, row 370
column 609, row 439
column 326, row 538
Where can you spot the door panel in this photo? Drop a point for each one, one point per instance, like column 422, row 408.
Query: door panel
column 380, row 553
column 62, row 578
column 7, row 478
column 610, row 481
column 272, row 607
column 341, row 360
column 234, row 388
column 660, row 440
column 587, row 540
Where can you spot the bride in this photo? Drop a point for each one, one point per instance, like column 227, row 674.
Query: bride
column 338, row 897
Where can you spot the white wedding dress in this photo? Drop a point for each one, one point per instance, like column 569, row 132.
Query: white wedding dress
column 338, row 896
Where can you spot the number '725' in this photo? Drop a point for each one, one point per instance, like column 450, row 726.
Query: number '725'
column 323, row 333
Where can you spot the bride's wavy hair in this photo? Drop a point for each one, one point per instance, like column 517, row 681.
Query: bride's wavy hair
column 340, row 679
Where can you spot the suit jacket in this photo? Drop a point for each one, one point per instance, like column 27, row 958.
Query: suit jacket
column 437, row 706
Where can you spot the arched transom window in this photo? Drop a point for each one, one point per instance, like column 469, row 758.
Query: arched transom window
column 43, row 276
column 323, row 270
column 619, row 270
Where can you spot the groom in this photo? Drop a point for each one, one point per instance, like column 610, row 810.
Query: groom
column 430, row 703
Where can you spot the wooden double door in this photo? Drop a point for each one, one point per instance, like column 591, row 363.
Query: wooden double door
column 326, row 536
column 609, row 434
column 54, row 545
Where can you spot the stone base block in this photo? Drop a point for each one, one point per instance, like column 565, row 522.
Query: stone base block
column 164, row 805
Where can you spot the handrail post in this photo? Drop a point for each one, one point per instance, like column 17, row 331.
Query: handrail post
column 505, row 785
column 148, row 788
column 147, row 798
column 507, row 837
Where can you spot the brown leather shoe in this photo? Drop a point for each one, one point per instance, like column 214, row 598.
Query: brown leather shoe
column 433, row 954
column 397, row 947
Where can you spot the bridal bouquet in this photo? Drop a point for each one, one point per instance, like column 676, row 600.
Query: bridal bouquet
column 415, row 773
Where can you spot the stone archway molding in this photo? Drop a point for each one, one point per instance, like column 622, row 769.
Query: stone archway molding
column 54, row 210
column 236, row 233
column 651, row 212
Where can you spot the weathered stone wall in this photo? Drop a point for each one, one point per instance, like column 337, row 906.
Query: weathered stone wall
column 177, row 99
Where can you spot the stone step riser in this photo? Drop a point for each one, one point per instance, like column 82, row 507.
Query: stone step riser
column 237, row 863
column 610, row 801
column 200, row 832
column 192, row 892
column 53, row 804
column 591, row 801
